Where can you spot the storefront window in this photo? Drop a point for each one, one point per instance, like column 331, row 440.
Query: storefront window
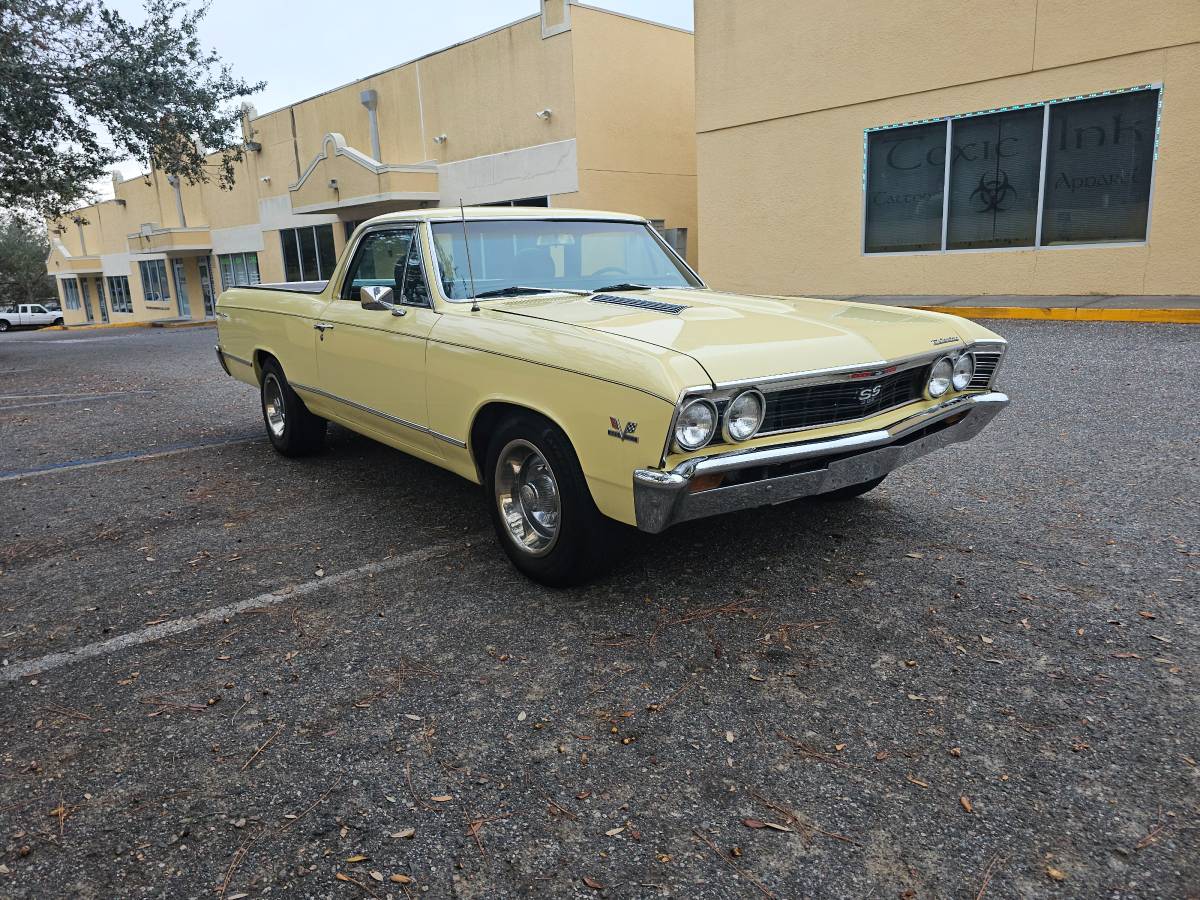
column 1089, row 184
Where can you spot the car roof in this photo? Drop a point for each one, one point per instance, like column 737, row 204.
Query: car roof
column 505, row 212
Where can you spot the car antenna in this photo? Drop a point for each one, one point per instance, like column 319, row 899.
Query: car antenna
column 467, row 244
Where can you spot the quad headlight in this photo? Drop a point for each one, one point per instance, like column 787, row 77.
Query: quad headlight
column 695, row 425
column 940, row 377
column 744, row 416
column 964, row 371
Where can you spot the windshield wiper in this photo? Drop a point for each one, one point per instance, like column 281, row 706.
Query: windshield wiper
column 624, row 286
column 516, row 290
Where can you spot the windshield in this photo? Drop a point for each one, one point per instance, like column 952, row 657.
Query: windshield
column 523, row 255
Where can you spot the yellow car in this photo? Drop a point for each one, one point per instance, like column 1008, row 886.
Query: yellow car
column 575, row 366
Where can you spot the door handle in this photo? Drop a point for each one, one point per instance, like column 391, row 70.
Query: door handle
column 323, row 327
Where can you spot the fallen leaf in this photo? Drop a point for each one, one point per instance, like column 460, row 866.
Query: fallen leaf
column 1126, row 656
column 839, row 747
column 357, row 857
column 986, row 639
column 522, row 716
column 342, row 877
column 917, row 781
column 442, row 798
column 613, row 832
column 592, row 883
column 956, row 752
column 881, row 756
column 729, row 737
column 320, row 573
column 1145, row 614
column 915, row 555
column 754, row 823
column 403, row 833
column 377, row 875
column 966, row 803
column 777, row 827
column 400, row 879
column 757, row 678
column 1056, row 874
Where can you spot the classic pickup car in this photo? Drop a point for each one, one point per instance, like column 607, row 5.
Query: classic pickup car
column 24, row 315
column 575, row 366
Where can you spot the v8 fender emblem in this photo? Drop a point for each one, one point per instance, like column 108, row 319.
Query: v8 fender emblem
column 622, row 434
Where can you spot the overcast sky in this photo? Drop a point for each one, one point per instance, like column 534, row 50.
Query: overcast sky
column 304, row 47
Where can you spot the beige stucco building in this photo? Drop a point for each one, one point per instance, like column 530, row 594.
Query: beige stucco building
column 573, row 107
column 950, row 146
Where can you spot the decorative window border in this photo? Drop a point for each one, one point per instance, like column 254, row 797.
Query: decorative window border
column 1037, row 237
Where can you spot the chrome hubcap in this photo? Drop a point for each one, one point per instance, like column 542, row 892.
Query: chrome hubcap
column 273, row 404
column 528, row 498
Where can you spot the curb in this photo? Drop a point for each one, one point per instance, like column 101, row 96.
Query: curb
column 153, row 323
column 1072, row 314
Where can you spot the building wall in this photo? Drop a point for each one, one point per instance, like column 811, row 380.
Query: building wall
column 637, row 151
column 783, row 99
column 620, row 139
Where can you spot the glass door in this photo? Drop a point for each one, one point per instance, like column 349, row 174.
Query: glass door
column 101, row 301
column 185, row 308
column 86, row 299
column 204, row 265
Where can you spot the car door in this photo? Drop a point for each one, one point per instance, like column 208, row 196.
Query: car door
column 371, row 362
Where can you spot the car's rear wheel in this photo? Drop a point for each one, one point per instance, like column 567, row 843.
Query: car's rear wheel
column 540, row 504
column 4, row 326
column 850, row 491
column 292, row 429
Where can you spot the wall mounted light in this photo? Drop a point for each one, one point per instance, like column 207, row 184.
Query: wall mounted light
column 545, row 114
column 440, row 139
column 266, row 179
column 333, row 183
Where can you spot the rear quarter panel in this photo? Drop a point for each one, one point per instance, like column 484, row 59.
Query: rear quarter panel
column 279, row 323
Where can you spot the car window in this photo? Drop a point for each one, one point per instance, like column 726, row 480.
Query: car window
column 37, row 309
column 415, row 291
column 379, row 260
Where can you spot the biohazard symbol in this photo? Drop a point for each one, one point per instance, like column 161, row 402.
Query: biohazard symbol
column 993, row 191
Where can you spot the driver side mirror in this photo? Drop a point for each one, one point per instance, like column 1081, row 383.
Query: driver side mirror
column 376, row 297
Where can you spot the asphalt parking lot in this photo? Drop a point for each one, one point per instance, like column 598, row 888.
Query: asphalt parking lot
column 323, row 679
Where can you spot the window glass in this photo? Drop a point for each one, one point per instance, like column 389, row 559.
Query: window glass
column 252, row 276
column 291, row 255
column 239, row 269
column 552, row 254
column 326, row 255
column 118, row 292
column 154, row 281
column 905, row 181
column 308, row 255
column 415, row 290
column 994, row 166
column 1099, row 157
column 378, row 261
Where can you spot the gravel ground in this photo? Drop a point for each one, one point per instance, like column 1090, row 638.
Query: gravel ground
column 980, row 680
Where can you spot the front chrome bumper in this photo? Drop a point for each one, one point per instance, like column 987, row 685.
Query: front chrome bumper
column 788, row 472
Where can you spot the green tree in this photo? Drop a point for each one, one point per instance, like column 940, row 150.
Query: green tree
column 72, row 70
column 23, row 252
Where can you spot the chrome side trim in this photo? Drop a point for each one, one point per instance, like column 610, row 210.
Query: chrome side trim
column 663, row 498
column 225, row 354
column 375, row 412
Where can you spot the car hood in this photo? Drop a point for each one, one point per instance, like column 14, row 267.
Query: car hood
column 736, row 336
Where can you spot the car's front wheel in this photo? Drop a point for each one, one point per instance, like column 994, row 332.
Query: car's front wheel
column 58, row 322
column 292, row 429
column 540, row 504
column 4, row 326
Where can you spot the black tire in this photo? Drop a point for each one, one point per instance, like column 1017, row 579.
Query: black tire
column 291, row 428
column 582, row 534
column 850, row 491
column 58, row 322
column 4, row 326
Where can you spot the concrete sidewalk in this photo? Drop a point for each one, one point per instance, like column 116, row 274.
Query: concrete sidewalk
column 1180, row 309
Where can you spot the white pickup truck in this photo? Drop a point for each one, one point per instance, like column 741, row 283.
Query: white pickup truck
column 28, row 315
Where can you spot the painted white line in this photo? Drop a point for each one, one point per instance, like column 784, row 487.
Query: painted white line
column 76, row 394
column 80, row 399
column 127, row 457
column 189, row 623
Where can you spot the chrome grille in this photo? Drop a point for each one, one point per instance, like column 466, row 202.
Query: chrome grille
column 843, row 401
column 986, row 364
column 671, row 309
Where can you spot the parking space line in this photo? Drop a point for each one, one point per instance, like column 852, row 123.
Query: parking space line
column 128, row 456
column 78, row 398
column 74, row 394
column 189, row 623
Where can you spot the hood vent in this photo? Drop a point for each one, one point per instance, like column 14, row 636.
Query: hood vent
column 671, row 309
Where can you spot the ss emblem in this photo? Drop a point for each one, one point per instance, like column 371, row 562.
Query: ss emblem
column 866, row 395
